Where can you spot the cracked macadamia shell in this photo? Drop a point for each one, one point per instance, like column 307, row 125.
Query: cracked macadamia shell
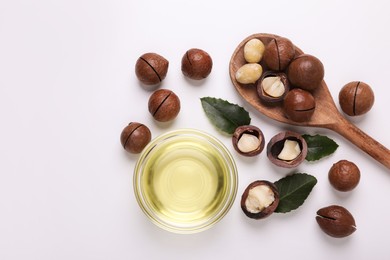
column 278, row 77
column 251, row 131
column 260, row 199
column 276, row 144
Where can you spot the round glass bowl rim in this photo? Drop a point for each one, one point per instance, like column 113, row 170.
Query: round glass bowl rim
column 230, row 193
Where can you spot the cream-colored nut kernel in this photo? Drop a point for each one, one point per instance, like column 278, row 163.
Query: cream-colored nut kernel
column 259, row 198
column 253, row 50
column 249, row 73
column 248, row 143
column 290, row 150
column 273, row 86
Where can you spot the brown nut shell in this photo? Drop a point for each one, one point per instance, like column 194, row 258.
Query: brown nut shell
column 344, row 175
column 299, row 105
column 265, row 212
column 134, row 137
column 196, row 64
column 306, row 72
column 275, row 146
column 151, row 68
column 252, row 130
column 278, row 53
column 336, row 221
column 164, row 105
column 356, row 98
column 266, row 97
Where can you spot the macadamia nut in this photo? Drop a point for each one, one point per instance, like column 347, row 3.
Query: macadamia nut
column 336, row 221
column 249, row 73
column 151, row 68
column 248, row 143
column 356, row 98
column 164, row 105
column 344, row 175
column 299, row 105
column 259, row 198
column 306, row 72
column 135, row 136
column 253, row 50
column 273, row 86
column 287, row 149
column 290, row 150
column 248, row 140
column 196, row 64
column 278, row 53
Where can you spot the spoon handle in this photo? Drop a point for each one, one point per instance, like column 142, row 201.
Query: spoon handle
column 362, row 140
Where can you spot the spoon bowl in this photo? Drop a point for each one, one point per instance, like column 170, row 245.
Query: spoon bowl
column 326, row 115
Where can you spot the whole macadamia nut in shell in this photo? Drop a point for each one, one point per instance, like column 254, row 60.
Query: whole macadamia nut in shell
column 164, row 105
column 134, row 137
column 356, row 98
column 278, row 53
column 151, row 68
column 196, row 64
column 336, row 221
column 306, row 72
column 299, row 105
column 344, row 175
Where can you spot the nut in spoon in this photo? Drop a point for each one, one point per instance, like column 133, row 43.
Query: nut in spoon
column 326, row 114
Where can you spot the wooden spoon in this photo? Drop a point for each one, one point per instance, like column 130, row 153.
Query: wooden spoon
column 326, row 114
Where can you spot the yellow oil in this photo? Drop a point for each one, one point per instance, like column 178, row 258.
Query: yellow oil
column 185, row 181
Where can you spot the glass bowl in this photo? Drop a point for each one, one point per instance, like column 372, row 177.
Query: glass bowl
column 185, row 181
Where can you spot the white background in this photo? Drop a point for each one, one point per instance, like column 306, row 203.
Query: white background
column 68, row 88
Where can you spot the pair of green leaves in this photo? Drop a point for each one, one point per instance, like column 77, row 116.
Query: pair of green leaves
column 293, row 189
column 226, row 117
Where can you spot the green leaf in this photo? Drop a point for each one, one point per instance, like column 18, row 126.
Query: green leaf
column 319, row 146
column 293, row 191
column 224, row 115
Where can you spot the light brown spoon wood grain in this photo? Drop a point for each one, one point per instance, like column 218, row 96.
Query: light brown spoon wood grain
column 326, row 114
